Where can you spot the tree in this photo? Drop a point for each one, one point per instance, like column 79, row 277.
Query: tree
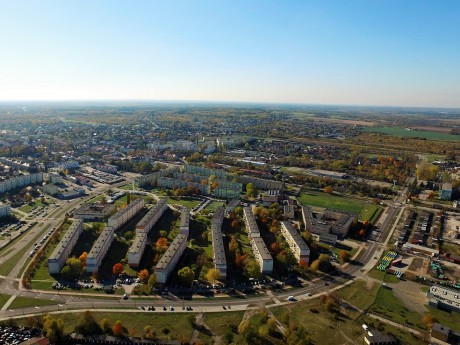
column 75, row 268
column 118, row 329
column 118, row 269
column 105, row 326
column 251, row 190
column 53, row 329
column 322, row 264
column 66, row 273
column 148, row 332
column 328, row 189
column 240, row 260
column 252, row 268
column 186, row 275
column 152, row 281
column 82, row 259
column 88, row 325
column 344, row 256
column 428, row 320
column 162, row 244
column 213, row 275
column 233, row 244
column 275, row 247
column 144, row 276
column 362, row 232
column 235, row 225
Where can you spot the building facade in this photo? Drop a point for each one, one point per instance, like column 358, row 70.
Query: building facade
column 121, row 217
column 262, row 255
column 170, row 258
column 298, row 246
column 184, row 227
column 60, row 254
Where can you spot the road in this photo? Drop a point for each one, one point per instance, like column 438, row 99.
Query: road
column 75, row 300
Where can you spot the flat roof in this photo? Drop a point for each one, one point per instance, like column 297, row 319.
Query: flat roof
column 127, row 208
column 216, row 234
column 262, row 248
column 170, row 252
column 445, row 295
column 250, row 220
column 184, row 217
column 295, row 236
column 138, row 244
column 68, row 236
column 106, row 235
column 159, row 206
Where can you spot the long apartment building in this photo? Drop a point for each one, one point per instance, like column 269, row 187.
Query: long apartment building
column 170, row 258
column 250, row 223
column 184, row 227
column 137, row 248
column 259, row 248
column 5, row 210
column 263, row 256
column 220, row 261
column 152, row 216
column 298, row 246
column 60, row 254
column 121, row 217
column 20, row 181
column 99, row 249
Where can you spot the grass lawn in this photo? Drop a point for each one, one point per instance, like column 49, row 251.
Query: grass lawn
column 24, row 302
column 213, row 206
column 451, row 248
column 360, row 293
column 128, row 186
column 366, row 211
column 31, row 205
column 402, row 132
column 165, row 326
column 220, row 322
column 183, row 202
column 8, row 265
column 97, row 198
column 389, row 305
column 3, row 299
column 451, row 320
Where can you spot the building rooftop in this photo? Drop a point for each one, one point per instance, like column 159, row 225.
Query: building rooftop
column 262, row 248
column 127, row 208
column 251, row 223
column 151, row 213
column 446, row 295
column 106, row 235
column 184, row 217
column 169, row 254
column 216, row 233
column 66, row 239
column 138, row 243
column 296, row 236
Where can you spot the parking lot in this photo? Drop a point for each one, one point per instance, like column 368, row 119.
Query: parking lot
column 16, row 335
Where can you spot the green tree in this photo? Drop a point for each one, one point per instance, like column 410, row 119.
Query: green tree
column 213, row 275
column 88, row 325
column 53, row 329
column 186, row 275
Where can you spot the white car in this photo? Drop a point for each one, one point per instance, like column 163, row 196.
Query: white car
column 291, row 298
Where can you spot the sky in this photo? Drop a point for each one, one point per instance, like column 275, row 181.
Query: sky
column 369, row 52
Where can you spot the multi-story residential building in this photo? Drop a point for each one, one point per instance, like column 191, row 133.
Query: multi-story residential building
column 136, row 250
column 220, row 261
column 262, row 255
column 298, row 246
column 288, row 211
column 142, row 229
column 152, row 216
column 70, row 165
column 184, row 227
column 170, row 258
column 250, row 223
column 93, row 212
column 5, row 210
column 111, row 169
column 446, row 191
column 124, row 215
column 65, row 247
column 20, row 181
column 99, row 249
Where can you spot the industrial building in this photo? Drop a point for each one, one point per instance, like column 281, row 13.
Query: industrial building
column 444, row 298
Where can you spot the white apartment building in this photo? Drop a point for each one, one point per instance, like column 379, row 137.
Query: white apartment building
column 60, row 254
column 220, row 261
column 184, row 227
column 170, row 258
column 5, row 210
column 70, row 165
column 262, row 255
column 99, row 249
column 20, row 181
column 152, row 216
column 121, row 217
column 250, row 223
column 136, row 250
column 298, row 246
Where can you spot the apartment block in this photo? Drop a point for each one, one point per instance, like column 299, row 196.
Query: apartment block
column 60, row 254
column 121, row 217
column 152, row 216
column 5, row 210
column 20, row 181
column 170, row 258
column 220, row 261
column 298, row 246
column 262, row 255
column 250, row 223
column 184, row 227
column 136, row 250
column 99, row 249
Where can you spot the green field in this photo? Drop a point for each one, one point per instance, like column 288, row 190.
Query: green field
column 183, row 202
column 402, row 132
column 360, row 293
column 366, row 211
column 24, row 302
column 31, row 205
column 213, row 206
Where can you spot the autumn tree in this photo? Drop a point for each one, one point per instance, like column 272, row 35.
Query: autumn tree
column 82, row 258
column 240, row 260
column 118, row 269
column 233, row 244
column 322, row 264
column 162, row 244
column 213, row 275
column 53, row 329
column 344, row 256
column 106, row 327
column 428, row 320
column 88, row 325
column 118, row 329
column 144, row 275
column 328, row 189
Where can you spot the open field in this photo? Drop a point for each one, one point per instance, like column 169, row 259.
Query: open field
column 24, row 302
column 360, row 293
column 3, row 299
column 402, row 132
column 366, row 211
column 183, row 202
column 213, row 206
column 31, row 205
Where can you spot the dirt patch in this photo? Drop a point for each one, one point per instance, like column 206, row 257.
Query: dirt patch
column 411, row 296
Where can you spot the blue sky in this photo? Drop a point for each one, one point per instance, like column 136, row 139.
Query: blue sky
column 324, row 52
